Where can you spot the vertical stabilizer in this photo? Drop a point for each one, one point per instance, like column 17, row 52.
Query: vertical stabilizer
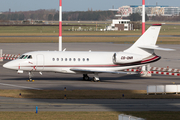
column 149, row 38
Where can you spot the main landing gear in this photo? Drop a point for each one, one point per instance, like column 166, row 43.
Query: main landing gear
column 95, row 78
column 85, row 77
column 30, row 77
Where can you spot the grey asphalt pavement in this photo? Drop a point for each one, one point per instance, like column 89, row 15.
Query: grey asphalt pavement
column 11, row 80
column 18, row 104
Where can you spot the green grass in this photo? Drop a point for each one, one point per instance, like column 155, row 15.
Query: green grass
column 54, row 30
column 28, row 29
column 59, row 115
column 170, row 30
column 149, row 115
column 85, row 94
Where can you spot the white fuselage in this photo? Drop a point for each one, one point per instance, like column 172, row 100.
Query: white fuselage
column 56, row 61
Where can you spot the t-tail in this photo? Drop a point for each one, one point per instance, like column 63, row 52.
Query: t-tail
column 146, row 44
column 142, row 51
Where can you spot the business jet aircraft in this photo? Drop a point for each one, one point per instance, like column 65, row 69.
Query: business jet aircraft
column 139, row 54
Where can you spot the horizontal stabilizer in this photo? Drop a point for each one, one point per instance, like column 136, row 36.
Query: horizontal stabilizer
column 154, row 47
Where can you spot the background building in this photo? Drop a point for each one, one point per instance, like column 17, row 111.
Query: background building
column 120, row 24
column 151, row 10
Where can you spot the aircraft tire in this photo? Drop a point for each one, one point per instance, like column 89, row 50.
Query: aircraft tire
column 86, row 78
column 94, row 79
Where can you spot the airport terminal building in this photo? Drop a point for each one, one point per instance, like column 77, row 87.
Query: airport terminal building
column 151, row 10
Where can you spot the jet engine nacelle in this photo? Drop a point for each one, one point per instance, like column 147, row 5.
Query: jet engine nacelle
column 122, row 58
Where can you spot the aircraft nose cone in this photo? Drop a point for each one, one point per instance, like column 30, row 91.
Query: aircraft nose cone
column 9, row 65
column 6, row 65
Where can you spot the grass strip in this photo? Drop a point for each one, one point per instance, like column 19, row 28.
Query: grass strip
column 172, row 29
column 148, row 115
column 85, row 94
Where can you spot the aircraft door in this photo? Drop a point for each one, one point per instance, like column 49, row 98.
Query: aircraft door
column 39, row 62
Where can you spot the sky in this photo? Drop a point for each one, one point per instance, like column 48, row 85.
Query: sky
column 76, row 5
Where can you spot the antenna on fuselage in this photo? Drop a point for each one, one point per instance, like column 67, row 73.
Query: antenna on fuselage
column 60, row 25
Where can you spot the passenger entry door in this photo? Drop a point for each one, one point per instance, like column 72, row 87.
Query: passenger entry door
column 40, row 62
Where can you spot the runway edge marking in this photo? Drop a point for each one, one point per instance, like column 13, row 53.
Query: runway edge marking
column 20, row 86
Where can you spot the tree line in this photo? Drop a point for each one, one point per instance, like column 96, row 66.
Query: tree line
column 53, row 15
column 89, row 15
column 24, row 15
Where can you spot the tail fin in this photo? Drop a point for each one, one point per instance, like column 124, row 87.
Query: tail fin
column 149, row 38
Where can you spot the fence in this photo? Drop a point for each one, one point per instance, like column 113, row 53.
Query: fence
column 10, row 56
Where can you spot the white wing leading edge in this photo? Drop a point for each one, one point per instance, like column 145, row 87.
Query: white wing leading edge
column 97, row 71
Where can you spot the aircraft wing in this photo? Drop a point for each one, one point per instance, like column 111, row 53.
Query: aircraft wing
column 98, row 71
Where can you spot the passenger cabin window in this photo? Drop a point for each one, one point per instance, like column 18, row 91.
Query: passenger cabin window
column 71, row 59
column 53, row 59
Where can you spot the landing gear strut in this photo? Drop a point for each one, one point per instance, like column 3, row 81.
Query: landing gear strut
column 85, row 77
column 30, row 77
column 96, row 77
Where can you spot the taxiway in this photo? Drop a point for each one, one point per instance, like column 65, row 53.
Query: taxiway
column 11, row 80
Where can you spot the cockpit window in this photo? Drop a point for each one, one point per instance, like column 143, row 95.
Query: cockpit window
column 21, row 56
column 25, row 57
column 30, row 57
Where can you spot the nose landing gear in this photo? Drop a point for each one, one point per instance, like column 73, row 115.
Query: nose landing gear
column 30, row 77
column 96, row 78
